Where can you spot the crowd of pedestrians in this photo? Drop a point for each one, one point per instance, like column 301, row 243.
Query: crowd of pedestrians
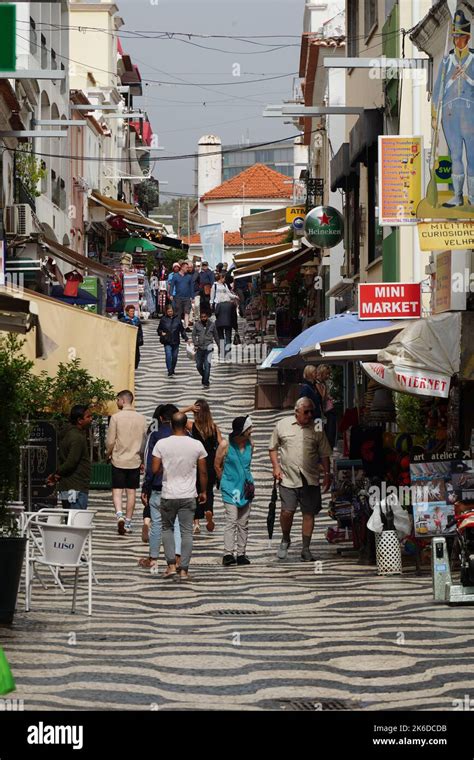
column 183, row 462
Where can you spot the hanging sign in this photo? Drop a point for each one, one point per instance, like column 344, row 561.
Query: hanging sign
column 8, row 37
column 294, row 213
column 418, row 382
column 400, row 179
column 446, row 236
column 398, row 301
column 324, row 227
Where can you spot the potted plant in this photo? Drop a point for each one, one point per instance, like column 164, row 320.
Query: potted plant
column 17, row 386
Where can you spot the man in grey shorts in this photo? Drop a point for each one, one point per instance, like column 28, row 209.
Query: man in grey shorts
column 179, row 455
column 301, row 445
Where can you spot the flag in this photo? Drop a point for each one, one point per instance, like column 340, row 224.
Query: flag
column 212, row 241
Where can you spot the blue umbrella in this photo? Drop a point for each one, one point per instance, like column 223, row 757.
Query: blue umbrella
column 83, row 298
column 334, row 327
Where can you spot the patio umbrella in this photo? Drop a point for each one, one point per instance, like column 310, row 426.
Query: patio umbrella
column 272, row 510
column 83, row 298
column 132, row 245
column 334, row 327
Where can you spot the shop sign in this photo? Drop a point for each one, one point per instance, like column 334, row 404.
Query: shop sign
column 400, row 179
column 442, row 236
column 451, row 284
column 91, row 285
column 324, row 227
column 398, row 301
column 42, row 461
column 294, row 213
column 409, row 380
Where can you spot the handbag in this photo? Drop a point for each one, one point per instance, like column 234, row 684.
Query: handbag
column 237, row 341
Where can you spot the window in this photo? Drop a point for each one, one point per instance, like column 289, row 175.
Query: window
column 54, row 63
column 33, row 37
column 370, row 16
column 63, row 81
column 353, row 30
column 44, row 53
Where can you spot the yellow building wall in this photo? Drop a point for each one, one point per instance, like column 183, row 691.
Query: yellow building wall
column 105, row 347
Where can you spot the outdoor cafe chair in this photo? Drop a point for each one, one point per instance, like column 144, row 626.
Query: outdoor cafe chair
column 61, row 546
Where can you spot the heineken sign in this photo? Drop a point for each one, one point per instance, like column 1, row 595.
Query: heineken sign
column 324, row 227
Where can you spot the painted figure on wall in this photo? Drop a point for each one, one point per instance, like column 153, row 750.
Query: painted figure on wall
column 453, row 106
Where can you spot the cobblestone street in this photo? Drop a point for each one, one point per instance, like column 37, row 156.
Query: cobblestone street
column 273, row 635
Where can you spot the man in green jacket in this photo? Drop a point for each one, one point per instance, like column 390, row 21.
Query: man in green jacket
column 74, row 472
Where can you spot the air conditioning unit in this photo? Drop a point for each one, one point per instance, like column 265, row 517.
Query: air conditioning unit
column 19, row 220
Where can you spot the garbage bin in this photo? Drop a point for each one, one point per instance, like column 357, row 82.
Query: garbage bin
column 388, row 553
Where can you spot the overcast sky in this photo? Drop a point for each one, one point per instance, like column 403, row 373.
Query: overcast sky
column 181, row 113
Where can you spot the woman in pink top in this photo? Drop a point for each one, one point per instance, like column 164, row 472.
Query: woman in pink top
column 323, row 373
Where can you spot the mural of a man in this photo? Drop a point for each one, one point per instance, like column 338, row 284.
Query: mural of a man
column 454, row 93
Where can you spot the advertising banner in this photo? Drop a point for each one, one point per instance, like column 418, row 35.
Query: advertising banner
column 400, row 301
column 400, row 179
column 212, row 241
column 409, row 380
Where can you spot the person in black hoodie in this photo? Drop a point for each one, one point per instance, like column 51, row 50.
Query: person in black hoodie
column 170, row 329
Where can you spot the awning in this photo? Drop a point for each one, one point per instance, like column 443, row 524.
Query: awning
column 275, row 219
column 338, row 326
column 364, row 134
column 129, row 212
column 353, row 347
column 287, row 258
column 77, row 259
column 248, row 257
column 254, row 267
column 341, row 170
column 423, row 357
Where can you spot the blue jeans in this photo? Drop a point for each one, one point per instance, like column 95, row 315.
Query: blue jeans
column 155, row 532
column 203, row 364
column 80, row 503
column 171, row 355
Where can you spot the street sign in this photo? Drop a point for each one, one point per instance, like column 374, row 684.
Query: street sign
column 446, row 236
column 8, row 37
column 386, row 301
column 294, row 212
column 324, row 227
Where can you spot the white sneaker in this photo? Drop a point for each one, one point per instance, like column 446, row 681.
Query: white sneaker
column 282, row 552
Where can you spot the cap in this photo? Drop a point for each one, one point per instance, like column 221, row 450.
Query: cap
column 175, row 264
column 240, row 425
column 204, row 264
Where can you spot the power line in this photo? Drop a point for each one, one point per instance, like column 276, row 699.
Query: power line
column 181, row 157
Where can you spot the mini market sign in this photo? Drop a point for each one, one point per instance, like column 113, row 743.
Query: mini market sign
column 397, row 301
column 324, row 227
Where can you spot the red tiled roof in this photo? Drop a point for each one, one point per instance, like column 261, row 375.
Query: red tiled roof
column 258, row 181
column 235, row 238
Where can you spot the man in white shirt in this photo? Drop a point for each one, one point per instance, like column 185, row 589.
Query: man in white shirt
column 179, row 455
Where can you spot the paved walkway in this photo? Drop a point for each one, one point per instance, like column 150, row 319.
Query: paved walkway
column 273, row 635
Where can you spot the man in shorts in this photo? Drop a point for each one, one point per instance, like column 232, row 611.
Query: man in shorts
column 298, row 448
column 125, row 446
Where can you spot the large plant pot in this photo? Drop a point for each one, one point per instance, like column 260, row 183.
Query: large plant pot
column 12, row 552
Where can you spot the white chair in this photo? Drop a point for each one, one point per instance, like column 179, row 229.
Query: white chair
column 53, row 516
column 62, row 546
column 83, row 518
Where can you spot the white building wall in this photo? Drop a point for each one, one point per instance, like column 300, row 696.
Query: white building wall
column 230, row 212
column 31, row 54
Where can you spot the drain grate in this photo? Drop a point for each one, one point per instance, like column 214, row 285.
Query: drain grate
column 314, row 705
column 218, row 613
